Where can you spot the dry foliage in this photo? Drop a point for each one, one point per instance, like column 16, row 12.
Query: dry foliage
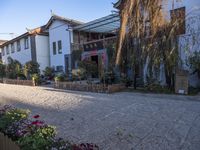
column 150, row 37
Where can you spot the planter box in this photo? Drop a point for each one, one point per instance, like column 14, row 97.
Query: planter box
column 97, row 88
column 116, row 88
column 182, row 83
column 18, row 82
column 7, row 144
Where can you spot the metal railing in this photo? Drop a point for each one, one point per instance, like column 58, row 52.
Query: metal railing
column 106, row 42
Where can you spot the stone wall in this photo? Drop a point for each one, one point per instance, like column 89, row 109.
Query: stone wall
column 18, row 82
column 97, row 88
column 115, row 88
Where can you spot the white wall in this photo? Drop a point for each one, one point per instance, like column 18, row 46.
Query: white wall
column 42, row 51
column 190, row 42
column 186, row 43
column 22, row 56
column 57, row 31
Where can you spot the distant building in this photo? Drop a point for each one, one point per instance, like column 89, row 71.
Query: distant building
column 30, row 46
column 1, row 42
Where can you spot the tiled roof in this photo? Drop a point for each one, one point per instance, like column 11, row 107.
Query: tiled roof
column 36, row 31
column 2, row 41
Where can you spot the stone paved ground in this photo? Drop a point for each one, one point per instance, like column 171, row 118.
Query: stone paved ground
column 121, row 121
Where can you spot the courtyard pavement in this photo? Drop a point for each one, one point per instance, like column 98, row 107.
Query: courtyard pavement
column 121, row 121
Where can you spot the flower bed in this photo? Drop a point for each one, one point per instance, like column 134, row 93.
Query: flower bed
column 34, row 134
column 97, row 88
column 18, row 82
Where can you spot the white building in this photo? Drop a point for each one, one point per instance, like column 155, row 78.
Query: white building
column 190, row 41
column 60, row 40
column 30, row 46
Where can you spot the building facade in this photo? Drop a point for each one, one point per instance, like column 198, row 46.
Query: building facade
column 30, row 46
column 1, row 42
column 60, row 39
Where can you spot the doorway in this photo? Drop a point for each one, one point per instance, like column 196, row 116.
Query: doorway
column 96, row 62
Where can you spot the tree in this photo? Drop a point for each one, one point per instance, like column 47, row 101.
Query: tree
column 2, row 70
column 89, row 67
column 31, row 68
column 147, row 37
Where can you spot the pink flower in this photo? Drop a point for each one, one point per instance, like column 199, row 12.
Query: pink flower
column 37, row 123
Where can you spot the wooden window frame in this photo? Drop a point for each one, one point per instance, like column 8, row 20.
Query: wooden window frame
column 54, row 48
column 59, row 47
column 26, row 43
column 12, row 48
column 18, row 46
column 7, row 50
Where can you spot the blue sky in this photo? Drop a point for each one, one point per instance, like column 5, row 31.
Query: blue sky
column 17, row 15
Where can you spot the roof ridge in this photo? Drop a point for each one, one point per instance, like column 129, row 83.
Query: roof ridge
column 67, row 19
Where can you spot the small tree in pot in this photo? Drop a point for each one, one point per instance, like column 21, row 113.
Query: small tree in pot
column 31, row 68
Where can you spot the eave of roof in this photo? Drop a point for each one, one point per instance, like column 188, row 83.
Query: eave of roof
column 15, row 39
column 66, row 20
column 2, row 41
column 107, row 24
column 36, row 31
column 117, row 4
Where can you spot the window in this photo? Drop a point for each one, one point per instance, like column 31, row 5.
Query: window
column 18, row 46
column 59, row 47
column 26, row 44
column 7, row 50
column 12, row 48
column 54, row 48
column 59, row 68
column 3, row 51
column 178, row 16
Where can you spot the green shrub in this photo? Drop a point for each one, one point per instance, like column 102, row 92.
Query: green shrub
column 108, row 77
column 60, row 78
column 13, row 68
column 2, row 70
column 21, row 76
column 31, row 68
column 90, row 68
column 127, row 81
column 41, row 139
column 49, row 73
column 36, row 79
column 11, row 116
column 157, row 88
column 78, row 74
